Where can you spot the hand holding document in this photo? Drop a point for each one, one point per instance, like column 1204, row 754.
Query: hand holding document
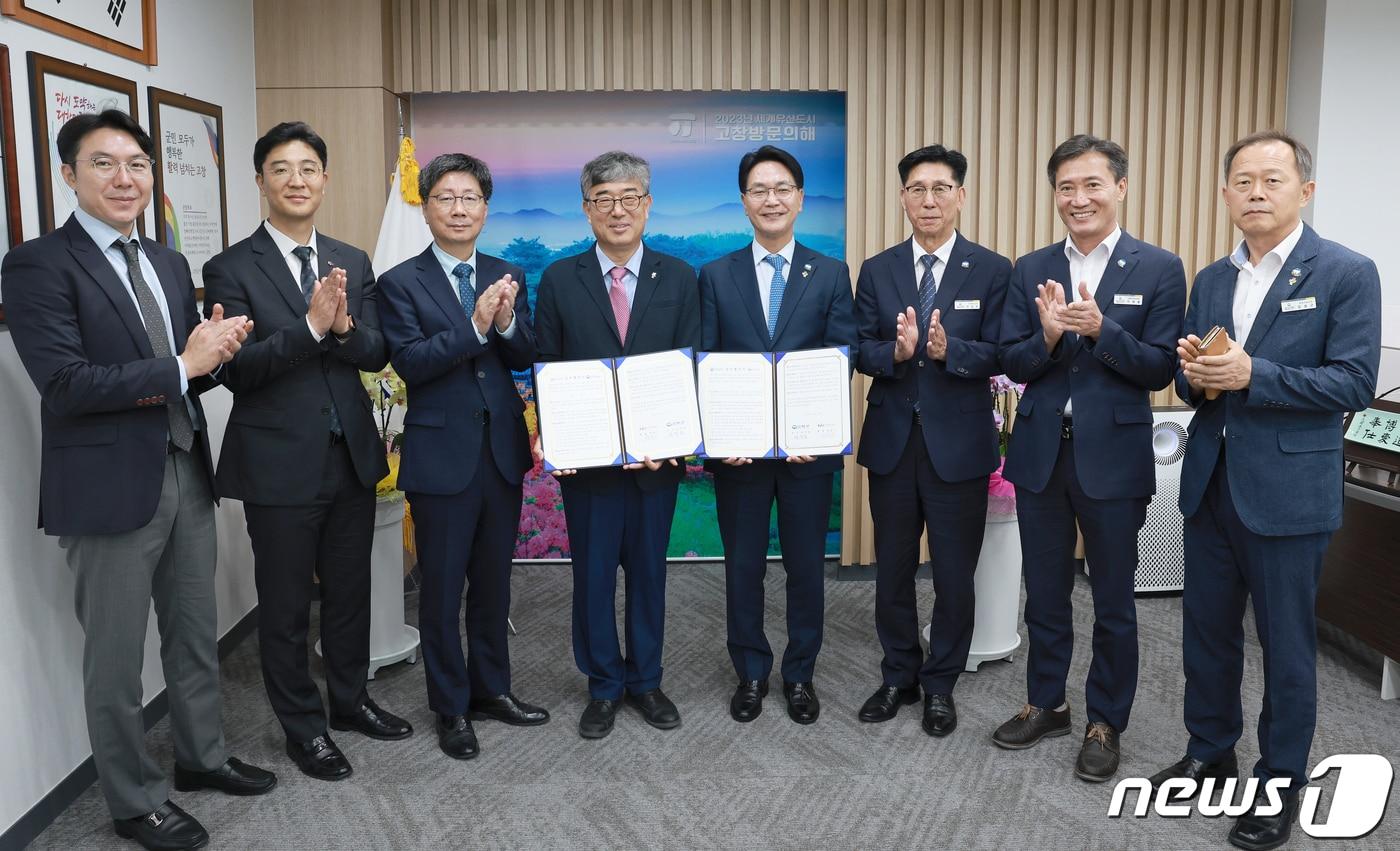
column 794, row 405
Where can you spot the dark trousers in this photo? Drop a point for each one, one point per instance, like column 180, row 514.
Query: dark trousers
column 1225, row 562
column 744, row 504
column 466, row 540
column 1110, row 528
column 293, row 545
column 630, row 527
column 903, row 504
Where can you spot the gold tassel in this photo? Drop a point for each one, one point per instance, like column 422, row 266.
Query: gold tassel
column 408, row 174
column 409, row 544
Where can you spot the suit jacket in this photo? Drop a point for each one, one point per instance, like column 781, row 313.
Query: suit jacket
column 284, row 381
column 574, row 321
column 1282, row 435
column 1135, row 353
column 816, row 313
column 955, row 401
column 82, row 340
column 454, row 380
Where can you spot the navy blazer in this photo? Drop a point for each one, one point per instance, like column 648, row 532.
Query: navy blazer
column 955, row 401
column 1135, row 353
column 1282, row 435
column 284, row 381
column 574, row 321
column 452, row 377
column 82, row 340
column 816, row 313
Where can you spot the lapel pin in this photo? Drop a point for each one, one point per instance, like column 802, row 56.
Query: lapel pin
column 1122, row 263
column 966, row 265
column 1293, row 276
column 806, row 269
column 653, row 276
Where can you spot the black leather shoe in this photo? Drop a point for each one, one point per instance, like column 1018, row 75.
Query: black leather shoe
column 1098, row 756
column 1196, row 770
column 803, row 706
column 373, row 722
column 1029, row 726
column 597, row 719
column 456, row 737
column 234, row 777
column 1260, row 833
column 940, row 714
column 656, row 708
column 747, row 702
column 508, row 709
column 319, row 758
column 885, row 702
column 169, row 828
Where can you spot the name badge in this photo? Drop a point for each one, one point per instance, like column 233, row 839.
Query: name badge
column 1309, row 303
column 968, row 304
column 1128, row 298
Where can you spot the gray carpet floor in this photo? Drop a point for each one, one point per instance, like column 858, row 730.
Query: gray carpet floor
column 714, row 783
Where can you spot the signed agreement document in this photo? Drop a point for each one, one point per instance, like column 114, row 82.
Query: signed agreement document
column 772, row 405
column 656, row 400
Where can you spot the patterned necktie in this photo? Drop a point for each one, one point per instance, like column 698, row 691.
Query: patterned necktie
column 775, row 291
column 465, row 291
column 928, row 289
column 617, row 297
column 181, row 426
column 308, row 274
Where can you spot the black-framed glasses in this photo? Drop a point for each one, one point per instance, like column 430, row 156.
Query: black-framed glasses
column 445, row 201
column 940, row 191
column 107, row 166
column 783, row 192
column 604, row 204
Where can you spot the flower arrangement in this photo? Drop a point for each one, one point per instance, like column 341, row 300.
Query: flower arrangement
column 387, row 393
column 1001, row 494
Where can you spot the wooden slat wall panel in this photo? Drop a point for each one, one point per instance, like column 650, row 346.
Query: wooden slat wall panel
column 1174, row 81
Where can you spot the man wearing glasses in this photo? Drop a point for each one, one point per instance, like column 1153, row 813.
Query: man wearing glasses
column 619, row 298
column 929, row 312
column 301, row 450
column 106, row 325
column 458, row 322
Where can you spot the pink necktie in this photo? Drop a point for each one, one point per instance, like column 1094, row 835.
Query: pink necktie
column 617, row 295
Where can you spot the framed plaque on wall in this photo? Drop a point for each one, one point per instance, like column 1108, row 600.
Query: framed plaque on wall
column 189, row 198
column 126, row 28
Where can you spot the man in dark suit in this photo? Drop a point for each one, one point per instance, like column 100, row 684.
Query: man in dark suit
column 619, row 298
column 106, row 326
column 301, row 450
column 1089, row 351
column 770, row 296
column 458, row 322
column 929, row 311
column 1261, row 484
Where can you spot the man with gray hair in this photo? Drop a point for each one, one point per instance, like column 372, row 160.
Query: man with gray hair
column 619, row 298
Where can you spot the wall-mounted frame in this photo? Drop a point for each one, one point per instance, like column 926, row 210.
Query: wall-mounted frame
column 11, row 231
column 189, row 196
column 58, row 91
column 126, row 28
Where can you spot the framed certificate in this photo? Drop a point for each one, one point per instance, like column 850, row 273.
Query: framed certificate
column 189, row 197
column 11, row 231
column 126, row 28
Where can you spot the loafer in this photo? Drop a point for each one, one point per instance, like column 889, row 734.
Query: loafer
column 656, row 708
column 234, row 777
column 747, row 702
column 508, row 709
column 597, row 719
column 940, row 714
column 885, row 702
column 169, row 828
column 1195, row 769
column 374, row 722
column 456, row 737
column 319, row 758
column 1098, row 756
column 1260, row 833
column 802, row 703
column 1030, row 725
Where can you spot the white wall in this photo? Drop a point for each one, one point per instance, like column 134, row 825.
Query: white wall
column 205, row 51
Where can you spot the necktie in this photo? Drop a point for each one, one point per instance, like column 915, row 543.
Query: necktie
column 181, row 426
column 617, row 297
column 775, row 291
column 308, row 274
column 927, row 290
column 465, row 291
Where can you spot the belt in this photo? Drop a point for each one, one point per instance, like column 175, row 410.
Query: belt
column 1067, row 428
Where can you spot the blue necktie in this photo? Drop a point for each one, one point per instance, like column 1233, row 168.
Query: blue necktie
column 775, row 291
column 927, row 290
column 465, row 291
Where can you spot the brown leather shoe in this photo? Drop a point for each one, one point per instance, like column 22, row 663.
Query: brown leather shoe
column 1029, row 726
column 1098, row 756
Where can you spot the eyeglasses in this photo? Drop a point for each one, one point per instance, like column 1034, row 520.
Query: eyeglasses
column 940, row 191
column 605, row 204
column 783, row 192
column 283, row 171
column 446, row 202
column 137, row 167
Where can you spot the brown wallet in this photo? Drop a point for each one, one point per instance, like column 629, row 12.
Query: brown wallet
column 1215, row 342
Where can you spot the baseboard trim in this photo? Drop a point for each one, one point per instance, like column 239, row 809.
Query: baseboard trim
column 68, row 790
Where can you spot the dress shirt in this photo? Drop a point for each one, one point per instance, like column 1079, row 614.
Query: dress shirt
column 1252, row 282
column 449, row 263
column 764, row 269
column 942, row 252
column 1089, row 269
column 629, row 281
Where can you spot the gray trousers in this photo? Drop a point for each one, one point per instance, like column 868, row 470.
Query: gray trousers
column 169, row 560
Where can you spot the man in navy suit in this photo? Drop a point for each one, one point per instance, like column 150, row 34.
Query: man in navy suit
column 454, row 339
column 1261, row 484
column 618, row 298
column 930, row 312
column 1089, row 351
column 774, row 295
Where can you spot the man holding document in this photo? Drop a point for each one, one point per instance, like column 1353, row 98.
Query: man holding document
column 618, row 299
column 773, row 295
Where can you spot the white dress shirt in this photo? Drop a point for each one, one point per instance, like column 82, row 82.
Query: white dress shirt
column 942, row 252
column 286, row 245
column 1252, row 282
column 1089, row 269
column 449, row 263
column 764, row 270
